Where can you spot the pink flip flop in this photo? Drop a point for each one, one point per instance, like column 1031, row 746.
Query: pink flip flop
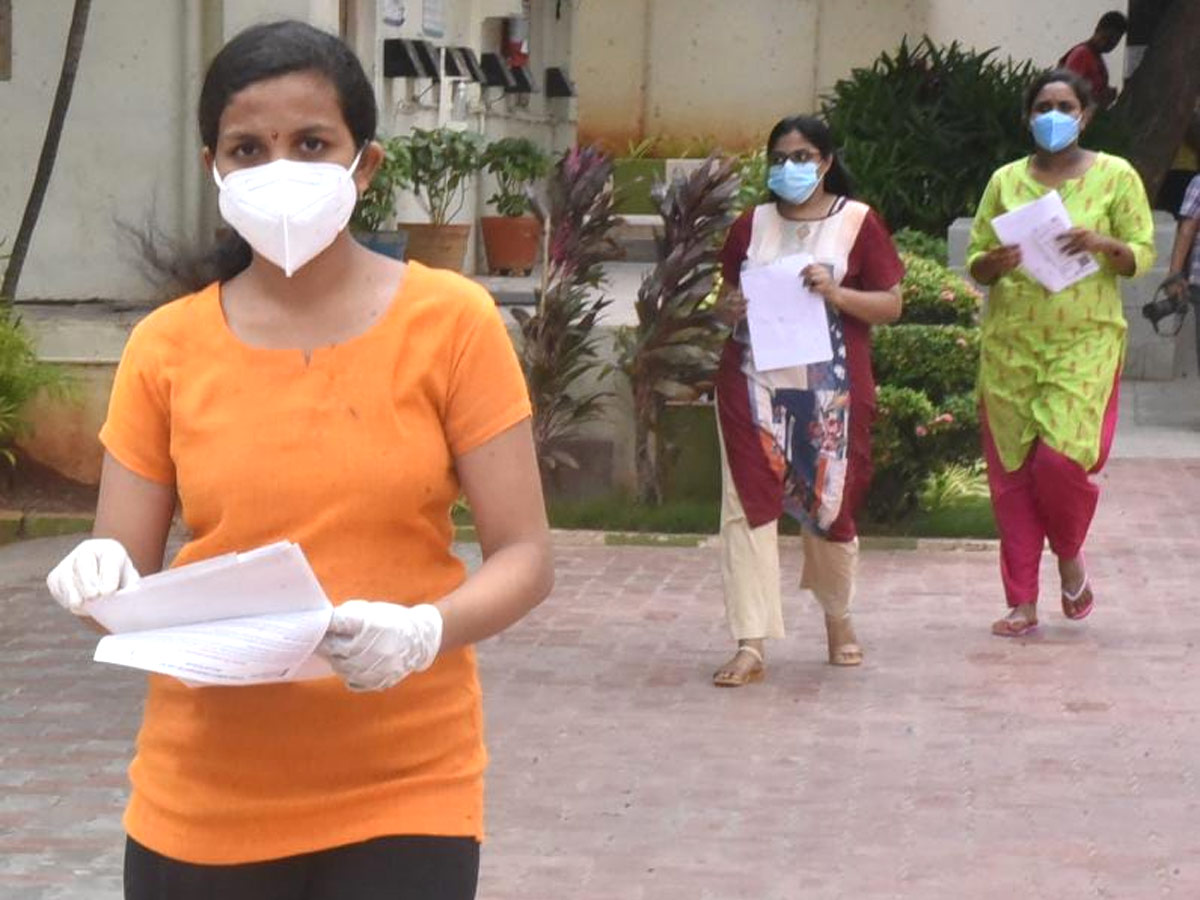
column 1006, row 628
column 1069, row 600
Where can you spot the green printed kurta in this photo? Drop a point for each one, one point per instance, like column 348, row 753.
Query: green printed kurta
column 1048, row 361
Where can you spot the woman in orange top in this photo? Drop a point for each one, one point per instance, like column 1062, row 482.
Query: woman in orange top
column 319, row 393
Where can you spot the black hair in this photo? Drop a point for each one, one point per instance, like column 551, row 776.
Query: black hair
column 837, row 179
column 279, row 48
column 1073, row 80
column 1113, row 21
column 256, row 54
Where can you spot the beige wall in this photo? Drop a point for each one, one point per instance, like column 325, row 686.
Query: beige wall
column 693, row 87
column 610, row 63
column 1027, row 29
column 685, row 68
column 667, row 67
column 854, row 32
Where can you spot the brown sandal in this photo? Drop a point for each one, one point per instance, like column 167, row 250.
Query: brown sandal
column 727, row 676
column 843, row 642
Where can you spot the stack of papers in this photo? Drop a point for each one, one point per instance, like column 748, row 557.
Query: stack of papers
column 1035, row 228
column 238, row 619
column 788, row 323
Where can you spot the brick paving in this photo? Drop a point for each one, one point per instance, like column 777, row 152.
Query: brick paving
column 953, row 764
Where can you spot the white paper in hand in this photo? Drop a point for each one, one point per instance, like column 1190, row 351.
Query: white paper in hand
column 242, row 618
column 788, row 323
column 1035, row 228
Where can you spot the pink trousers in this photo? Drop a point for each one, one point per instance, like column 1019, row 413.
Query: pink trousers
column 1050, row 498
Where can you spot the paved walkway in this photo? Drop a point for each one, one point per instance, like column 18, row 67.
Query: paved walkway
column 952, row 765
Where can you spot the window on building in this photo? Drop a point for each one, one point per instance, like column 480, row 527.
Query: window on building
column 5, row 40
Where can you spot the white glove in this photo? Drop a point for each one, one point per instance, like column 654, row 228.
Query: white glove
column 374, row 645
column 96, row 567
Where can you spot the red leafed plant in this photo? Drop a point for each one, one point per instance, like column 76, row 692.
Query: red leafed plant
column 672, row 353
column 559, row 351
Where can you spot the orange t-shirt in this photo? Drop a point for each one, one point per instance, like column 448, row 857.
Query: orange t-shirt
column 351, row 456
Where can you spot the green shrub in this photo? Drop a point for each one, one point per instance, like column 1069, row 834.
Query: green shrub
column 955, row 431
column 923, row 128
column 955, row 483
column 913, row 440
column 752, row 173
column 937, row 360
column 899, row 451
column 22, row 377
column 933, row 295
column 909, row 240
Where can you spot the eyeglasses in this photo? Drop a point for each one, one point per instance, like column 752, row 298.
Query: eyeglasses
column 796, row 156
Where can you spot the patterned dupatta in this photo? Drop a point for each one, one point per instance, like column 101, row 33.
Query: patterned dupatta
column 803, row 413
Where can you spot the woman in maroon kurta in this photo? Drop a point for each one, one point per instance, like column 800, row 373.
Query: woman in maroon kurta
column 798, row 439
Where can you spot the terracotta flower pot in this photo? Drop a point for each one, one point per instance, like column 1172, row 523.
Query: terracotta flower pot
column 511, row 243
column 439, row 246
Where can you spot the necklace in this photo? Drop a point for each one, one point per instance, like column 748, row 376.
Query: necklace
column 804, row 228
column 814, row 228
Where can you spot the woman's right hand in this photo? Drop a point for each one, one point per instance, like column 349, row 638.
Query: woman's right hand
column 95, row 568
column 996, row 262
column 731, row 307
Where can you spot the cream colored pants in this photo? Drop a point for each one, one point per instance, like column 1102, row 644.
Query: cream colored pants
column 750, row 569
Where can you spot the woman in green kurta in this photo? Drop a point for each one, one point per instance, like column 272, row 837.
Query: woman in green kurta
column 1050, row 362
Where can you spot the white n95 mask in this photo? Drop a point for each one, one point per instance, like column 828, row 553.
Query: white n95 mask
column 288, row 211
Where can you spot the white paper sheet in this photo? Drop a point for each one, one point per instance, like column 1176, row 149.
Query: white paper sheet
column 1035, row 228
column 788, row 323
column 242, row 618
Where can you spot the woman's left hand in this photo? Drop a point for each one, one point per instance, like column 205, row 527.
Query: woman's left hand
column 373, row 645
column 1083, row 240
column 818, row 279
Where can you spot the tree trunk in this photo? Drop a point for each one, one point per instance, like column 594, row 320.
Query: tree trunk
column 645, row 447
column 1158, row 100
column 54, row 130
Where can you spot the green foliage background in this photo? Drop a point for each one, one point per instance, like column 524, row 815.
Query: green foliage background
column 924, row 127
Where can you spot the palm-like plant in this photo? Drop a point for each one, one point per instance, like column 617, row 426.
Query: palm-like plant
column 672, row 352
column 23, row 377
column 559, row 348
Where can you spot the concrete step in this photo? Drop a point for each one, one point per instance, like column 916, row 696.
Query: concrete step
column 91, row 332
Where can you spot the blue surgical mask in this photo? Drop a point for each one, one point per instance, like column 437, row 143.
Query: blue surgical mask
column 794, row 182
column 1055, row 130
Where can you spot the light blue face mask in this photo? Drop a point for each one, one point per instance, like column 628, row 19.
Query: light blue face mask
column 794, row 182
column 1054, row 130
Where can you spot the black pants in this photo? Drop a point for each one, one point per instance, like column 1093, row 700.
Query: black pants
column 386, row 868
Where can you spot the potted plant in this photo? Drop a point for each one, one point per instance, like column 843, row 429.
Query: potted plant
column 441, row 161
column 376, row 209
column 511, row 239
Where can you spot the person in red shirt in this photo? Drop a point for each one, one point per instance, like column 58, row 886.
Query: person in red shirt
column 1087, row 59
